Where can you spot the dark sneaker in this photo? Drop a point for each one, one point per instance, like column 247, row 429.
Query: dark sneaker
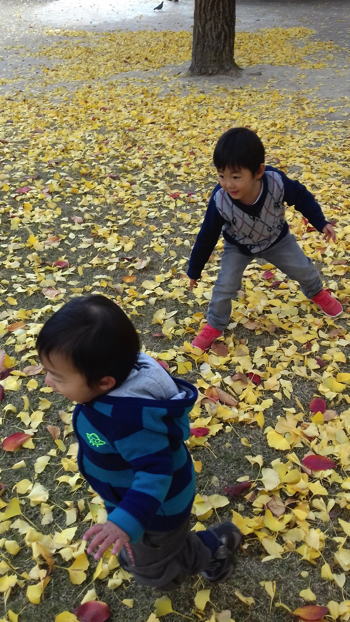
column 222, row 563
column 329, row 305
column 206, row 337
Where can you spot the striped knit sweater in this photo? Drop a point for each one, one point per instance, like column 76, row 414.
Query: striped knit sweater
column 132, row 453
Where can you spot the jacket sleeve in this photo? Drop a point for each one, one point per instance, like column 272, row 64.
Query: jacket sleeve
column 304, row 202
column 206, row 239
column 152, row 478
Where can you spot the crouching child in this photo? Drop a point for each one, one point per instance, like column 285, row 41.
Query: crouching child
column 131, row 422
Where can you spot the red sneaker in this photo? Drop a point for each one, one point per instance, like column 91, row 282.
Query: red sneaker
column 206, row 337
column 329, row 305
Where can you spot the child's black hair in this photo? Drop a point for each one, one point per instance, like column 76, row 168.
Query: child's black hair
column 239, row 148
column 95, row 334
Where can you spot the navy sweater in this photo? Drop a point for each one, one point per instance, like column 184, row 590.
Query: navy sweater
column 293, row 193
column 132, row 453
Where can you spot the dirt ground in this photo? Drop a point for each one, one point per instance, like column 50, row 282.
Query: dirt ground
column 22, row 23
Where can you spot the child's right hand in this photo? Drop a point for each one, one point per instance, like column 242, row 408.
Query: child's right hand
column 105, row 535
column 193, row 283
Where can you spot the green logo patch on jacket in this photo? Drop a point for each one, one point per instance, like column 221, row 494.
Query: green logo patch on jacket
column 94, row 440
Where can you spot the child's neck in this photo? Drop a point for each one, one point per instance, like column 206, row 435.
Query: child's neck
column 256, row 191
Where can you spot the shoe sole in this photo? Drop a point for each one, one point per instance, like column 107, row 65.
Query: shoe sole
column 328, row 314
column 325, row 313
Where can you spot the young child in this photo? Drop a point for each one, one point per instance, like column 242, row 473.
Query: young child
column 248, row 203
column 131, row 422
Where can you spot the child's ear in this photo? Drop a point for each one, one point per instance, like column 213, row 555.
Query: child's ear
column 106, row 383
column 261, row 171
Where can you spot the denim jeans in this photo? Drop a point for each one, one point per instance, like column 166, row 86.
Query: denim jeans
column 286, row 255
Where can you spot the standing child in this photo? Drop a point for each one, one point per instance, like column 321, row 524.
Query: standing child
column 248, row 203
column 131, row 422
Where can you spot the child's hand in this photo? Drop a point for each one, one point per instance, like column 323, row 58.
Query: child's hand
column 106, row 534
column 329, row 233
column 193, row 283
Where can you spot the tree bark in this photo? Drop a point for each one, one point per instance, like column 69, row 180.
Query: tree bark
column 213, row 37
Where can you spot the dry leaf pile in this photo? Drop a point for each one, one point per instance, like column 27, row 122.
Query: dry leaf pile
column 119, row 52
column 102, row 190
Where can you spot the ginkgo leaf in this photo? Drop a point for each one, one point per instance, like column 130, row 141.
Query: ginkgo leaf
column 247, row 600
column 66, row 616
column 218, row 501
column 76, row 571
column 35, row 592
column 345, row 526
column 7, row 582
column 163, row 606
column 277, row 441
column 201, row 599
column 270, row 479
column 13, row 509
column 307, row 594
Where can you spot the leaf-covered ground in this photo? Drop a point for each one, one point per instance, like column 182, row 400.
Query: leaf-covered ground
column 103, row 186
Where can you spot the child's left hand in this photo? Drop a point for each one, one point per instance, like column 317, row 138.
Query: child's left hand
column 329, row 233
column 106, row 534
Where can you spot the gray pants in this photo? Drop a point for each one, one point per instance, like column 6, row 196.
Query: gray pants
column 287, row 256
column 165, row 559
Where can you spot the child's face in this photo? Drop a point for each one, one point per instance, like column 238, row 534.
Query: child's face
column 241, row 184
column 64, row 378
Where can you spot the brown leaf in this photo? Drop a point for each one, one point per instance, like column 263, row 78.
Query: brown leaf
column 52, row 239
column 252, row 325
column 129, row 279
column 336, row 331
column 141, row 264
column 220, row 349
column 32, row 370
column 54, row 431
column 226, row 398
column 2, row 489
column 15, row 326
column 77, row 219
column 328, row 415
column 276, row 506
column 51, row 293
column 212, row 394
column 311, row 613
column 240, row 376
column 45, row 554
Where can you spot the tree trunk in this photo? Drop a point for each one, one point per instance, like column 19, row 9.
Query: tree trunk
column 213, row 37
